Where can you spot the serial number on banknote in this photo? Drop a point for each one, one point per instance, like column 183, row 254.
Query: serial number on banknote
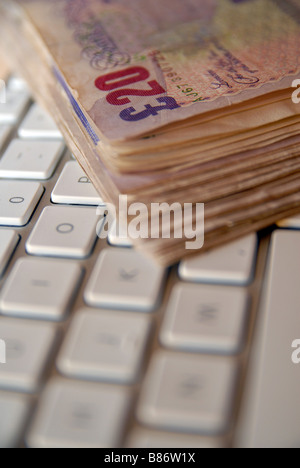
column 169, row 72
column 116, row 84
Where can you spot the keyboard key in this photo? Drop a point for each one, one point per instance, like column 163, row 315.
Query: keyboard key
column 205, row 318
column 115, row 240
column 270, row 408
column 125, row 279
column 64, row 231
column 105, row 346
column 8, row 243
column 30, row 159
column 14, row 108
column 39, row 124
column 144, row 438
column 5, row 131
column 18, row 201
column 14, row 412
column 39, row 288
column 28, row 347
column 17, row 84
column 293, row 222
column 188, row 393
column 231, row 264
column 74, row 188
column 77, row 415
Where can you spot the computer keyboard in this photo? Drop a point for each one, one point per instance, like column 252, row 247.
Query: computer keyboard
column 104, row 348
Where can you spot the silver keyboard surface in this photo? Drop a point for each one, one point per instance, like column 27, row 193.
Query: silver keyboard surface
column 104, row 348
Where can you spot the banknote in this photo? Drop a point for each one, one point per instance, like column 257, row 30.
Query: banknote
column 137, row 65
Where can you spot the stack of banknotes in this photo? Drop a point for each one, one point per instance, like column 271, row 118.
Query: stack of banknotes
column 171, row 101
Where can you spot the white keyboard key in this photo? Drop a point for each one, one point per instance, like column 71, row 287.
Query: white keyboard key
column 18, row 201
column 39, row 124
column 8, row 243
column 14, row 108
column 77, row 415
column 105, row 346
column 17, row 84
column 231, row 264
column 116, row 240
column 39, row 288
column 14, row 412
column 271, row 411
column 188, row 393
column 205, row 318
column 64, row 231
column 125, row 279
column 5, row 131
column 28, row 348
column 145, row 438
column 74, row 188
column 293, row 222
column 30, row 159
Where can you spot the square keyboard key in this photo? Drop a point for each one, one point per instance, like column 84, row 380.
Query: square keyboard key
column 28, row 348
column 30, row 159
column 231, row 264
column 205, row 318
column 39, row 288
column 64, row 231
column 74, row 188
column 38, row 124
column 188, row 393
column 125, row 279
column 105, row 346
column 79, row 415
column 18, row 201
